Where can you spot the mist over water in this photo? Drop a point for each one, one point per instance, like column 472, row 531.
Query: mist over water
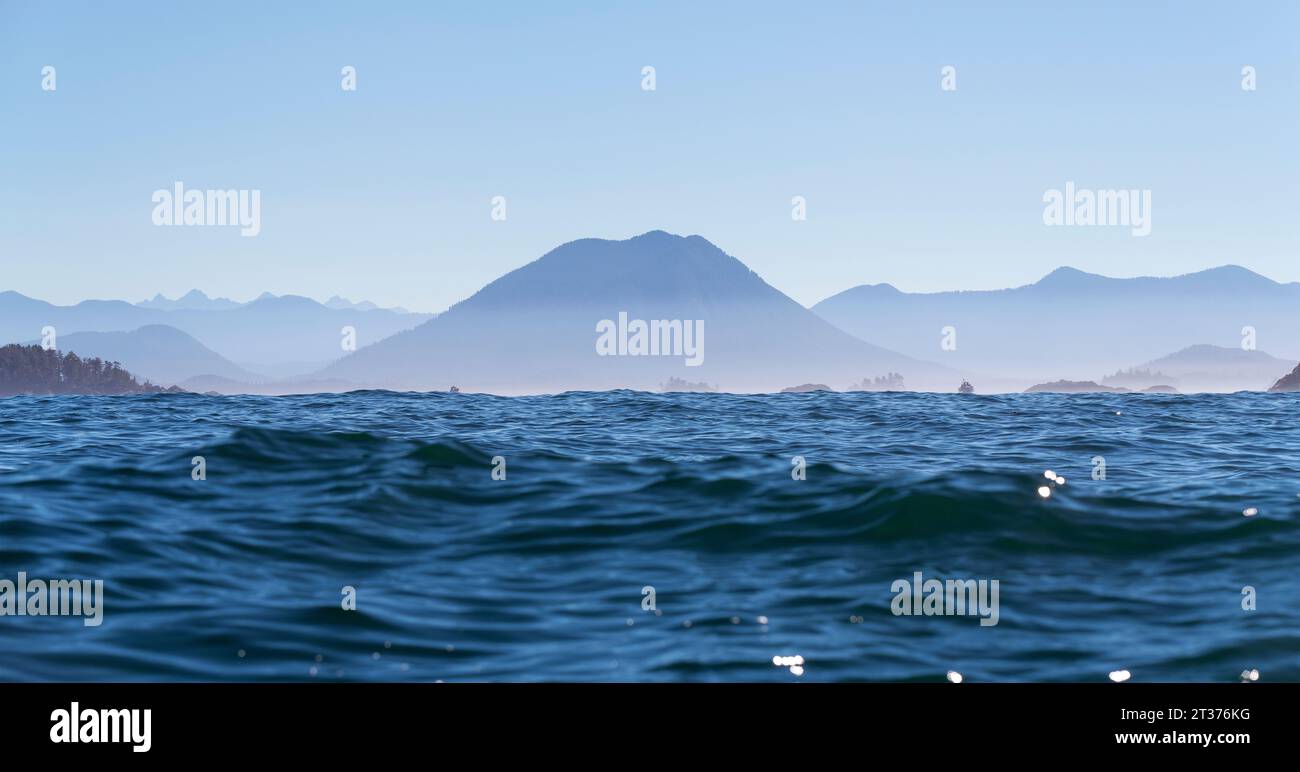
column 540, row 576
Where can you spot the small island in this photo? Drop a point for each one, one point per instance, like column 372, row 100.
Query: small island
column 38, row 371
column 891, row 381
column 675, row 384
column 805, row 388
column 1073, row 387
column 1138, row 379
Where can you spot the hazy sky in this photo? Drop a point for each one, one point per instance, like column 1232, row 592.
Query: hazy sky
column 384, row 193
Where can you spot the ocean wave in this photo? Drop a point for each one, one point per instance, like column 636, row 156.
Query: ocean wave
column 461, row 575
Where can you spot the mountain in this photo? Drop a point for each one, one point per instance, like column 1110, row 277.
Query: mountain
column 1075, row 323
column 537, row 329
column 273, row 329
column 1206, row 368
column 341, row 302
column 364, row 305
column 162, row 354
column 268, row 331
column 22, row 318
column 1288, row 382
column 194, row 300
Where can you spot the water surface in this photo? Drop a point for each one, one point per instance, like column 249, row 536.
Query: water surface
column 539, row 576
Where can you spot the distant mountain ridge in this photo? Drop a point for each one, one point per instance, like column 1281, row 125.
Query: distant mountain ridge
column 194, row 300
column 269, row 330
column 364, row 305
column 537, row 328
column 1075, row 323
column 197, row 300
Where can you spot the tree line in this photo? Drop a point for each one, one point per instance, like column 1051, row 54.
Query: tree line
column 35, row 370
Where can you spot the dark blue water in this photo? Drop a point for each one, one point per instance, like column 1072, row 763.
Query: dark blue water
column 540, row 576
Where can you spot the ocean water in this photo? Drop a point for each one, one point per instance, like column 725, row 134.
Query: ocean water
column 540, row 576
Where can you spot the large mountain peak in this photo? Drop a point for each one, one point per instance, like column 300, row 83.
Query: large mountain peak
column 535, row 328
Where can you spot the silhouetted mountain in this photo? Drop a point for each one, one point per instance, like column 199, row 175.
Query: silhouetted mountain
column 34, row 370
column 270, row 330
column 536, row 328
column 1074, row 322
column 1288, row 382
column 194, row 300
column 160, row 353
column 1214, row 368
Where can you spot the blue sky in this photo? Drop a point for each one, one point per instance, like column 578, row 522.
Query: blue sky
column 384, row 193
